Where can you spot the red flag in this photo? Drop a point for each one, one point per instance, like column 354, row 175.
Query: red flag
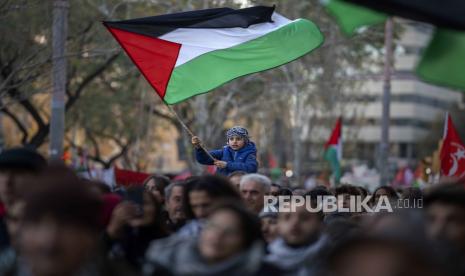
column 335, row 138
column 128, row 178
column 452, row 152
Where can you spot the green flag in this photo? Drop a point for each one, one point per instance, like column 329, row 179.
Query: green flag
column 443, row 62
column 350, row 17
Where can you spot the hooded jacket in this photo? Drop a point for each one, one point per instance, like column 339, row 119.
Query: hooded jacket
column 244, row 159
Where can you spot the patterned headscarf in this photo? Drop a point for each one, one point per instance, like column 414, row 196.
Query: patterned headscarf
column 238, row 131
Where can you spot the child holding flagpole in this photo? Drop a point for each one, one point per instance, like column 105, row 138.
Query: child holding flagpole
column 240, row 154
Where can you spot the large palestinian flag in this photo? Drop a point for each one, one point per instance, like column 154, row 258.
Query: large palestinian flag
column 190, row 53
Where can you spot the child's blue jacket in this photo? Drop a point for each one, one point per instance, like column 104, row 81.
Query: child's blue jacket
column 244, row 159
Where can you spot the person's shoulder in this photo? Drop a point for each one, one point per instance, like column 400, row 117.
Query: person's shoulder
column 251, row 148
column 269, row 269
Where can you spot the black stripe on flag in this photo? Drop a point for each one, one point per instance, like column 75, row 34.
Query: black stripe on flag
column 156, row 26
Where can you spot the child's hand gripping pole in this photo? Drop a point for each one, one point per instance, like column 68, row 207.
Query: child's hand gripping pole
column 198, row 144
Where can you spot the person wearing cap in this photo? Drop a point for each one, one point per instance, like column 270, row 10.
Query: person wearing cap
column 269, row 225
column 17, row 167
column 240, row 154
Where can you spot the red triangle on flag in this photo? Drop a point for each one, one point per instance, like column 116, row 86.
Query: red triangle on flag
column 452, row 152
column 154, row 57
column 335, row 135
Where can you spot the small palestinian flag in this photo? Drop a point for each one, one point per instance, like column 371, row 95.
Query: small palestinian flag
column 333, row 150
column 190, row 53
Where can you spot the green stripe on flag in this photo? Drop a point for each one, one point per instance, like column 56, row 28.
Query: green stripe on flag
column 213, row 69
column 443, row 62
column 332, row 158
column 350, row 17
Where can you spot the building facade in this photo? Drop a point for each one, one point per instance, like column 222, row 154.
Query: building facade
column 414, row 105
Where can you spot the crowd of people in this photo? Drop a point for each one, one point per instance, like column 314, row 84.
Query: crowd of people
column 54, row 224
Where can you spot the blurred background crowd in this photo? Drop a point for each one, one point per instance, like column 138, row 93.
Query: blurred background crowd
column 56, row 223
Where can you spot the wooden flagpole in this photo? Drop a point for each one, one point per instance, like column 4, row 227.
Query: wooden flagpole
column 188, row 130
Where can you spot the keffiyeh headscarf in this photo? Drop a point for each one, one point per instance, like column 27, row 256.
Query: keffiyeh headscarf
column 238, row 131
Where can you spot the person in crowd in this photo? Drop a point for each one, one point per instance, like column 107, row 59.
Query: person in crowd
column 387, row 191
column 156, row 185
column 253, row 188
column 373, row 255
column 344, row 192
column 363, row 191
column 284, row 191
column 17, row 166
column 412, row 197
column 235, row 178
column 200, row 193
column 408, row 224
column 8, row 255
column 97, row 186
column 59, row 230
column 110, row 201
column 445, row 216
column 341, row 229
column 299, row 248
column 275, row 189
column 229, row 244
column 315, row 194
column 240, row 154
column 176, row 217
column 132, row 227
column 299, row 192
column 269, row 223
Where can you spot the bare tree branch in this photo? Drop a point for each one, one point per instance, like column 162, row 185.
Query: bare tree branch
column 88, row 79
column 18, row 123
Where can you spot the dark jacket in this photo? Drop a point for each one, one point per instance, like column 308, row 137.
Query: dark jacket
column 132, row 246
column 244, row 159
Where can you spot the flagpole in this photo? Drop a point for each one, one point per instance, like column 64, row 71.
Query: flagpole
column 57, row 118
column 384, row 145
column 186, row 128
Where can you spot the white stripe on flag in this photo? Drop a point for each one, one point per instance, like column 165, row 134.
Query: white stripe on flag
column 196, row 42
column 446, row 126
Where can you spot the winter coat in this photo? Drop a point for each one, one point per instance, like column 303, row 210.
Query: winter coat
column 177, row 256
column 244, row 159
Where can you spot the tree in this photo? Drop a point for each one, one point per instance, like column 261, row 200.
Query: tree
column 108, row 100
column 25, row 66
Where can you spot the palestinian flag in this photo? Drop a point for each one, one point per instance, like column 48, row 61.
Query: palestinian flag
column 333, row 150
column 350, row 17
column 443, row 61
column 190, row 53
column 447, row 14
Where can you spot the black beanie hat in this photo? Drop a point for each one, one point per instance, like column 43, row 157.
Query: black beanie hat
column 22, row 159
